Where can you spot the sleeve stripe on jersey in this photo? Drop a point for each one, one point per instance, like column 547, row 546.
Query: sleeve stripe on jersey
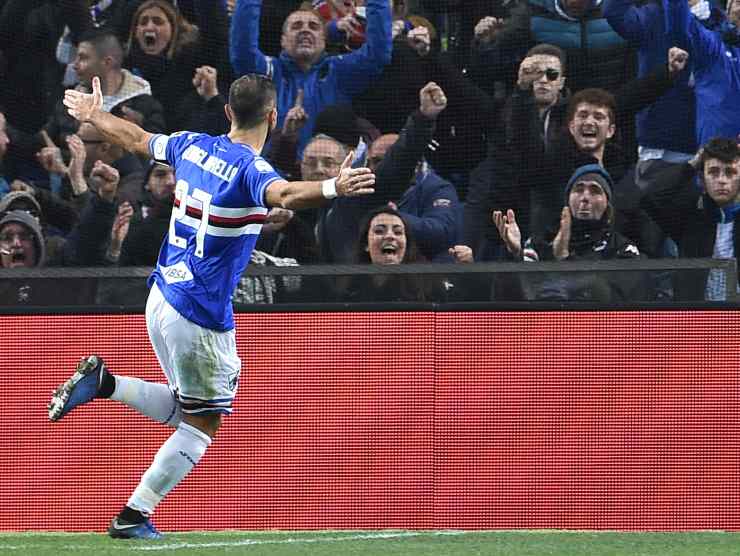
column 264, row 189
column 227, row 212
column 222, row 231
column 247, row 216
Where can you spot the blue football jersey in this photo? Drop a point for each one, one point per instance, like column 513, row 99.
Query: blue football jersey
column 218, row 214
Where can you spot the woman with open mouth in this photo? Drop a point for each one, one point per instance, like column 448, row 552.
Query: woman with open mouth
column 386, row 239
column 166, row 49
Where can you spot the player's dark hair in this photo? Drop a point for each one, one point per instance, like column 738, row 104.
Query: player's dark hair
column 597, row 97
column 251, row 97
column 722, row 149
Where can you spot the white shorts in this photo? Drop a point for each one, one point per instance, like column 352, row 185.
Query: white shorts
column 201, row 365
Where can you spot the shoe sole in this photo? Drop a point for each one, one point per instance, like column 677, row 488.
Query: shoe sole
column 61, row 395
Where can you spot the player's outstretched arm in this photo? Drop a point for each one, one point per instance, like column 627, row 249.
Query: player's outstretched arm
column 88, row 108
column 351, row 182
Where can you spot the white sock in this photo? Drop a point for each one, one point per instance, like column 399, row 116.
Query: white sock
column 177, row 456
column 148, row 398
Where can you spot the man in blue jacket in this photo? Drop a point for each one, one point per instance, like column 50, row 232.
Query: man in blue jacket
column 716, row 62
column 665, row 129
column 303, row 64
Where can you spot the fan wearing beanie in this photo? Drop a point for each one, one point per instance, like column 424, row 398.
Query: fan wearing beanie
column 586, row 232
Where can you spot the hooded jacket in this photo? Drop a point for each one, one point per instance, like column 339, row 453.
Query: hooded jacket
column 668, row 123
column 716, row 64
column 590, row 240
column 690, row 218
column 15, row 196
column 56, row 218
column 24, row 218
column 331, row 80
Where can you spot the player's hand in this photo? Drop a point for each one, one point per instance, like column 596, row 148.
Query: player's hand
column 562, row 241
column 205, row 82
column 420, row 40
column 509, row 231
column 83, row 106
column 353, row 182
column 432, row 100
column 461, row 253
column 105, row 178
column 677, row 59
column 487, row 29
column 296, row 117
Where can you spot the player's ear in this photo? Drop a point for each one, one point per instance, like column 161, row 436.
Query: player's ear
column 229, row 113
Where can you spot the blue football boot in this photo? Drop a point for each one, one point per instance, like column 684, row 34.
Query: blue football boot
column 82, row 387
column 122, row 529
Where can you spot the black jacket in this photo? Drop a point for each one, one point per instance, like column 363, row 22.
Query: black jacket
column 589, row 242
column 461, row 128
column 338, row 222
column 528, row 173
column 144, row 240
column 172, row 79
column 690, row 218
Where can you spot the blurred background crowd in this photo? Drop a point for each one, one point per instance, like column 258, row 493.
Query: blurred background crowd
column 499, row 130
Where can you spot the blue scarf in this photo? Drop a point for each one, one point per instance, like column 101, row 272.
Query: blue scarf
column 728, row 213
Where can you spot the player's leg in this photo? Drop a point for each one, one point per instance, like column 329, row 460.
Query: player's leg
column 173, row 461
column 204, row 377
column 152, row 399
column 92, row 379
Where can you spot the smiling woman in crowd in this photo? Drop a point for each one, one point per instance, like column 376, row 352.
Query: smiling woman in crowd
column 386, row 239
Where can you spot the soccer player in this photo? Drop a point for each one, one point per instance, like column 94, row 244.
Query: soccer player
column 223, row 192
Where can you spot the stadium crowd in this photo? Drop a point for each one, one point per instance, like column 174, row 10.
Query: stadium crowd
column 499, row 130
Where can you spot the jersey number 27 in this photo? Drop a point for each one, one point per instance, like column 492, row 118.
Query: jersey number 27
column 202, row 204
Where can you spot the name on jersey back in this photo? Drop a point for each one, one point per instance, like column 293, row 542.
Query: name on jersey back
column 209, row 163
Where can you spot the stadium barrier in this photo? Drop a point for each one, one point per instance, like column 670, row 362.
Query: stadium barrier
column 113, row 289
column 420, row 419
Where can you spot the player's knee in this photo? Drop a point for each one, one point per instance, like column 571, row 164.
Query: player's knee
column 208, row 424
